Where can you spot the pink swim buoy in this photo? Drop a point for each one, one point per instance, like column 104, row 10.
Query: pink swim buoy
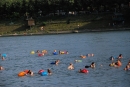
column 40, row 54
column 40, row 71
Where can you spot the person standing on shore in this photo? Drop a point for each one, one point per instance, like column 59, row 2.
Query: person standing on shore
column 42, row 28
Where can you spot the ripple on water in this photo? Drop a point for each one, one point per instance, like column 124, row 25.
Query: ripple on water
column 102, row 44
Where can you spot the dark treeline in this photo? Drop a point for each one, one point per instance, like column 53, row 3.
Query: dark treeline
column 18, row 8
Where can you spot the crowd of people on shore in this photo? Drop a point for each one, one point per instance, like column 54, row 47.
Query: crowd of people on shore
column 117, row 63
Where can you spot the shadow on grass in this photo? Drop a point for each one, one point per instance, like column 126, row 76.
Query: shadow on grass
column 21, row 28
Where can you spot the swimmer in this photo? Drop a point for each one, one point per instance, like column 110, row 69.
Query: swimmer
column 49, row 71
column 30, row 72
column 112, row 64
column 128, row 64
column 3, row 58
column 67, row 52
column 44, row 51
column 118, row 63
column 70, row 67
column 55, row 52
column 92, row 65
column 60, row 52
column 90, row 55
column 127, row 67
column 120, row 56
column 63, row 52
column 57, row 62
column 1, row 68
column 82, row 56
column 112, row 58
column 38, row 51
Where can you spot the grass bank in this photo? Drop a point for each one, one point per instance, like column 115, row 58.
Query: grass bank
column 55, row 24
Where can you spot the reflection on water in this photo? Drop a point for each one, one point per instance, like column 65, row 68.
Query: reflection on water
column 102, row 44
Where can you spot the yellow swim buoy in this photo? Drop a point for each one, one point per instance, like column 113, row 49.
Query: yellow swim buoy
column 32, row 52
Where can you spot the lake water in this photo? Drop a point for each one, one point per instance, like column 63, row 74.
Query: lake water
column 102, row 44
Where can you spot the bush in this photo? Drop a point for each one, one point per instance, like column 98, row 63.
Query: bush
column 68, row 21
column 44, row 24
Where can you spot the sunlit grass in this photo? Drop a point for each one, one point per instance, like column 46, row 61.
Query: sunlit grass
column 56, row 23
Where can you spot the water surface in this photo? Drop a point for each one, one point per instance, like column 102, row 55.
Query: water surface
column 102, row 44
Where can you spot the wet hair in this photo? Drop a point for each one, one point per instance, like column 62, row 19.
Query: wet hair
column 93, row 63
column 111, row 58
column 49, row 71
column 29, row 72
column 116, row 63
column 109, row 64
column 120, row 54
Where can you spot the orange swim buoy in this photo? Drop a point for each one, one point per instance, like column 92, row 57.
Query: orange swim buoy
column 20, row 74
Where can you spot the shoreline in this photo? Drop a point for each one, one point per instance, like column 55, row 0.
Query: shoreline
column 67, row 32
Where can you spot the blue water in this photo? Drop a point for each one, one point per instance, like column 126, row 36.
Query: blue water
column 102, row 44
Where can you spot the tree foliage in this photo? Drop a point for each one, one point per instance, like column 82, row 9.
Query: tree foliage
column 18, row 8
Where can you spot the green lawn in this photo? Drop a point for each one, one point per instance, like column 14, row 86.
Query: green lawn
column 57, row 23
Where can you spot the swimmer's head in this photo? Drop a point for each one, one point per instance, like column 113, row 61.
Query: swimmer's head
column 93, row 62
